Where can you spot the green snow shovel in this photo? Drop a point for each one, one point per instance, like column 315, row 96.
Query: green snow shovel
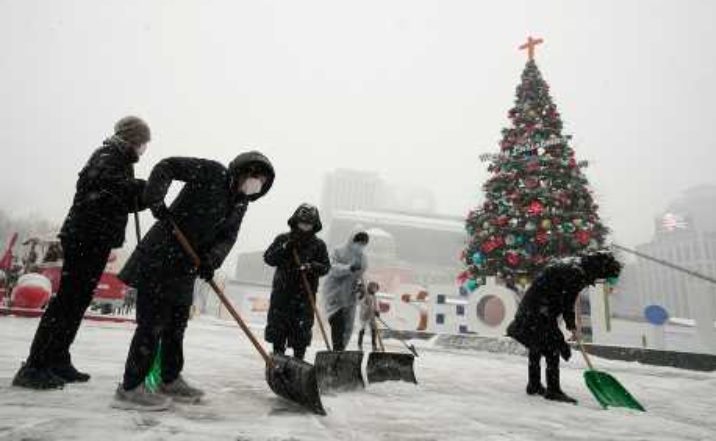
column 605, row 388
column 154, row 377
column 335, row 370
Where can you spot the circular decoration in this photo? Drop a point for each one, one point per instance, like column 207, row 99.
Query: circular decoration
column 520, row 239
column 510, row 240
column 656, row 315
column 514, row 222
column 491, row 310
column 530, row 226
column 578, row 222
column 463, row 291
column 535, row 208
column 478, row 258
column 471, row 285
column 542, row 238
column 583, row 237
column 546, row 224
column 569, row 227
column 512, row 259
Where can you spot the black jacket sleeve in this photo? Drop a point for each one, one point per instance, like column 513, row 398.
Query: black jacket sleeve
column 277, row 254
column 109, row 174
column 189, row 170
column 572, row 288
column 321, row 263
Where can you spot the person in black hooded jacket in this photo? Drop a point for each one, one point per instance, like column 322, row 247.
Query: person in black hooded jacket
column 106, row 192
column 553, row 294
column 209, row 211
column 290, row 316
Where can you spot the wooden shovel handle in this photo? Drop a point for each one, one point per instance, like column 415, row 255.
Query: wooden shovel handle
column 311, row 298
column 219, row 292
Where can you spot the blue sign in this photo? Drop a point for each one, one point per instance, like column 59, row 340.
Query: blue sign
column 656, row 315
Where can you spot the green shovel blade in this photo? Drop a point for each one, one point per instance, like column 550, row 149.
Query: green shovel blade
column 154, row 377
column 609, row 392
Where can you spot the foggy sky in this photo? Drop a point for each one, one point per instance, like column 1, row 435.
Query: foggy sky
column 415, row 90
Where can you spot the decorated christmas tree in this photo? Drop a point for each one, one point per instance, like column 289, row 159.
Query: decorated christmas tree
column 538, row 205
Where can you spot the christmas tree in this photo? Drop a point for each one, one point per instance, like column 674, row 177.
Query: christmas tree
column 538, row 205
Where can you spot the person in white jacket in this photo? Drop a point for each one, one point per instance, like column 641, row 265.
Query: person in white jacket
column 348, row 264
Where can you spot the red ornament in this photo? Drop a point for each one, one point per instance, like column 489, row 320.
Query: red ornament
column 512, row 259
column 535, row 208
column 542, row 238
column 501, row 221
column 462, row 277
column 583, row 236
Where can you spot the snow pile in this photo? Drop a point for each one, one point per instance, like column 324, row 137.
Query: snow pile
column 462, row 395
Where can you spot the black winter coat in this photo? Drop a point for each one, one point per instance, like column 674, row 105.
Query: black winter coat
column 552, row 294
column 290, row 312
column 208, row 210
column 106, row 192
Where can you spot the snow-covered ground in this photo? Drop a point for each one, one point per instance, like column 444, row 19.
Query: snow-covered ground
column 461, row 396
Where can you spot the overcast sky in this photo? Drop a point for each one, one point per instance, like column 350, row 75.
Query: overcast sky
column 413, row 89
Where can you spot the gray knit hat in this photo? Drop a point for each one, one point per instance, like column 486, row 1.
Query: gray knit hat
column 133, row 130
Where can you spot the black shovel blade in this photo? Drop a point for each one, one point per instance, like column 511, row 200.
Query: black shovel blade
column 339, row 370
column 387, row 366
column 295, row 380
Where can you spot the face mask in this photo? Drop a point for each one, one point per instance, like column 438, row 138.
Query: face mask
column 141, row 149
column 251, row 186
column 305, row 227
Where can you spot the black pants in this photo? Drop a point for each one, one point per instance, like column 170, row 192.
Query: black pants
column 338, row 328
column 159, row 318
column 81, row 270
column 535, row 369
column 372, row 338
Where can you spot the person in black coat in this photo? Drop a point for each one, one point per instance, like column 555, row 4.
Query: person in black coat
column 290, row 316
column 209, row 210
column 553, row 294
column 106, row 192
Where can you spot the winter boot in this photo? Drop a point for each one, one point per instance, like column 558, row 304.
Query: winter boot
column 69, row 374
column 181, row 392
column 140, row 398
column 299, row 353
column 534, row 384
column 279, row 349
column 37, row 378
column 554, row 390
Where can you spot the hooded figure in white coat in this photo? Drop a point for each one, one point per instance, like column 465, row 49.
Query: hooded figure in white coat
column 340, row 288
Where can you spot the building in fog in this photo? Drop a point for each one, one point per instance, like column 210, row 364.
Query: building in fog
column 685, row 234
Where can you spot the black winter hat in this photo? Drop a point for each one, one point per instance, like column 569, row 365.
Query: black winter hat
column 133, row 130
column 361, row 237
column 600, row 264
column 306, row 213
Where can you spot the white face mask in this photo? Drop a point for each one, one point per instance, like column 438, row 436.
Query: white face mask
column 141, row 149
column 305, row 227
column 251, row 186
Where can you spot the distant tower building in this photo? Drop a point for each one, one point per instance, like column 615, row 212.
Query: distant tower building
column 349, row 190
column 686, row 236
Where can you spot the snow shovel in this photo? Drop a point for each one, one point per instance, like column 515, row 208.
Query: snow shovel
column 605, row 388
column 287, row 377
column 335, row 370
column 389, row 366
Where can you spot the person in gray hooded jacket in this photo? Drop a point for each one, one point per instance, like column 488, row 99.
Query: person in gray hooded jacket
column 340, row 293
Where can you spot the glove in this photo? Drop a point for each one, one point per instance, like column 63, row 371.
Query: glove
column 355, row 267
column 160, row 211
column 205, row 271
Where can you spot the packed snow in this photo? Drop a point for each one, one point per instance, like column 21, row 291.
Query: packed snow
column 462, row 395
